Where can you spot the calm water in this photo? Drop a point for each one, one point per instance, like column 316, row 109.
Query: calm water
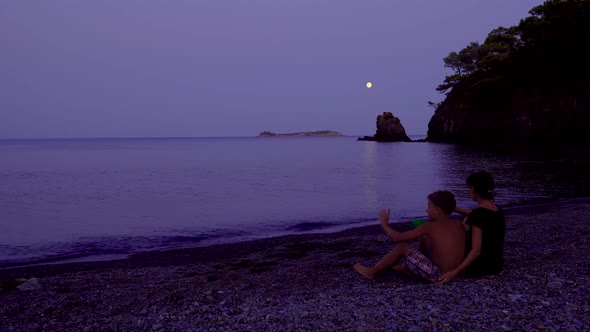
column 72, row 199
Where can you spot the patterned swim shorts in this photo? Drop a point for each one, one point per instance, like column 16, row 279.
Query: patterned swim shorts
column 421, row 266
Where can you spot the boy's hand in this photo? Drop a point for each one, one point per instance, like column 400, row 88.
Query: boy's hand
column 384, row 216
column 447, row 277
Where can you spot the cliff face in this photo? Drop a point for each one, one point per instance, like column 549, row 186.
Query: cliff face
column 389, row 129
column 525, row 85
column 517, row 117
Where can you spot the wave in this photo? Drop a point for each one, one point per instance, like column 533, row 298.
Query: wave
column 111, row 248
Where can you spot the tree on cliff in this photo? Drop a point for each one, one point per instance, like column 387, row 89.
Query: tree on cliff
column 531, row 81
column 545, row 45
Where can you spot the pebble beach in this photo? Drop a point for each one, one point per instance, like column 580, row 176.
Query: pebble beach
column 307, row 283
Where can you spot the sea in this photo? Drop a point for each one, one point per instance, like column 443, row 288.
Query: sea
column 68, row 200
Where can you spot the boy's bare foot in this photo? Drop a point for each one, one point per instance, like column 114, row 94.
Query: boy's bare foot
column 364, row 271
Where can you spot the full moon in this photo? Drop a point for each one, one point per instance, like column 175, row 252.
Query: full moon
column 369, row 85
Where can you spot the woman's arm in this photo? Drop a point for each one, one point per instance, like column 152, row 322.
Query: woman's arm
column 471, row 256
column 462, row 211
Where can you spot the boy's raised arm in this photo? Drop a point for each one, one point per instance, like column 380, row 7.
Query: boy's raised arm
column 396, row 236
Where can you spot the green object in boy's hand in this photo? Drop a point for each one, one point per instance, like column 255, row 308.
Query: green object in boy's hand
column 417, row 222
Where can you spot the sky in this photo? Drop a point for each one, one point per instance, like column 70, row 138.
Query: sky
column 206, row 68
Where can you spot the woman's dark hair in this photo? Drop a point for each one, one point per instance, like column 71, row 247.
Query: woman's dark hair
column 482, row 183
column 444, row 200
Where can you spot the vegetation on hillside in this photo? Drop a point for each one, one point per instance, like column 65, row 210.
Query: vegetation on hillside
column 531, row 81
column 545, row 48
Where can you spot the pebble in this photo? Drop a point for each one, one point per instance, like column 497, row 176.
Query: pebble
column 554, row 284
column 32, row 284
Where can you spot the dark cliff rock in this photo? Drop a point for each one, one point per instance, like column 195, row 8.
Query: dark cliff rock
column 516, row 116
column 527, row 85
column 389, row 129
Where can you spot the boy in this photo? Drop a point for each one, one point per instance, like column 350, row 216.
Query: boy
column 445, row 236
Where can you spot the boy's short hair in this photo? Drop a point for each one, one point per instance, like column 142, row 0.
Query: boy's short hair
column 482, row 183
column 444, row 200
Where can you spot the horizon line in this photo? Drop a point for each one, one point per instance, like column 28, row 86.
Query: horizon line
column 156, row 137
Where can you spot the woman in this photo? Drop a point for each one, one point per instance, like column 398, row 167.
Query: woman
column 486, row 228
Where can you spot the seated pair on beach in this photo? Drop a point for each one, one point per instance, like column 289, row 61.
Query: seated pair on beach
column 441, row 248
column 449, row 248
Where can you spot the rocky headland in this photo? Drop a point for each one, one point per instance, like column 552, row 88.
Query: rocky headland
column 525, row 85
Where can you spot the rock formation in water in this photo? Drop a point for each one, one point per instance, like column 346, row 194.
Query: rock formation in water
column 389, row 129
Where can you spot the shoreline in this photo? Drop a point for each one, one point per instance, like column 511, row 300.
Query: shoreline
column 306, row 282
column 404, row 222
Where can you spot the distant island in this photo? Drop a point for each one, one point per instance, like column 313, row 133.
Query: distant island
column 303, row 133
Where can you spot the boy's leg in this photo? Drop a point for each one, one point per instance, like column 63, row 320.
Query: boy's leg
column 401, row 267
column 389, row 260
column 422, row 266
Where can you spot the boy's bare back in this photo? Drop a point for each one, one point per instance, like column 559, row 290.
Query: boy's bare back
column 447, row 241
